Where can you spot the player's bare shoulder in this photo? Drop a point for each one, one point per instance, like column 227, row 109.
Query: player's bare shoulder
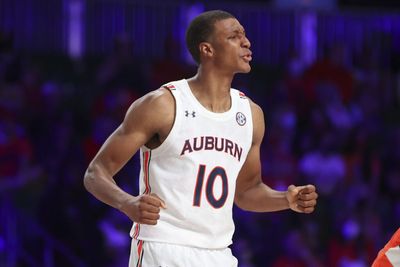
column 154, row 111
column 256, row 110
column 258, row 122
column 159, row 98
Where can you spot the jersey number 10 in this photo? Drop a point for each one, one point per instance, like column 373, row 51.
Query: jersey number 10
column 216, row 172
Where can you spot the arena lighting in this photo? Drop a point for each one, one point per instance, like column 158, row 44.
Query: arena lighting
column 308, row 34
column 313, row 4
column 75, row 10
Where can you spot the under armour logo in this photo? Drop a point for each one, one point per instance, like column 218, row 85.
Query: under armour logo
column 187, row 113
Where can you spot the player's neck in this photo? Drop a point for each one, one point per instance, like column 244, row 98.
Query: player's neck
column 212, row 90
column 212, row 81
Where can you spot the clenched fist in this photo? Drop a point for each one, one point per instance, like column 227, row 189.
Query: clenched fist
column 144, row 209
column 302, row 198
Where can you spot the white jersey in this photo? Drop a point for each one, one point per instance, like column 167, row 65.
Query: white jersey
column 194, row 171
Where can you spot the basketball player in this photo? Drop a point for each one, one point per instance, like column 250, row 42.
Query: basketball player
column 389, row 256
column 199, row 142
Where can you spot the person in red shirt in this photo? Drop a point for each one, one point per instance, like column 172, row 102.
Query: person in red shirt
column 389, row 256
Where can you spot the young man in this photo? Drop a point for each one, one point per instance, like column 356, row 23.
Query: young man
column 199, row 141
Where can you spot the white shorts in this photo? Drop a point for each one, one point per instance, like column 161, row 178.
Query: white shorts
column 155, row 254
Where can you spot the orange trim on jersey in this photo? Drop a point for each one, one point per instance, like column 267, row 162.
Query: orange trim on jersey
column 137, row 230
column 147, row 190
column 242, row 95
column 146, row 164
column 140, row 253
column 170, row 87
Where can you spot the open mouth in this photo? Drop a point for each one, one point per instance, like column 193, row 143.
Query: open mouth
column 247, row 57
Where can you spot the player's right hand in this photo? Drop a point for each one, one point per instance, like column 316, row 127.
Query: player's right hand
column 144, row 209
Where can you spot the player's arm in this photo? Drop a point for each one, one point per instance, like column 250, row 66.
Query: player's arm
column 253, row 195
column 144, row 120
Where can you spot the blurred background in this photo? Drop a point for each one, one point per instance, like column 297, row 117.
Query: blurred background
column 326, row 73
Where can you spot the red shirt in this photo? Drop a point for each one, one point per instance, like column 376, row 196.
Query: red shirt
column 382, row 260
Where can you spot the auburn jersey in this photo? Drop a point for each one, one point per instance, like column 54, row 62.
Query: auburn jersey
column 194, row 171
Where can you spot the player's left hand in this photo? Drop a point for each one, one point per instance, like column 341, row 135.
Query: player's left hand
column 302, row 198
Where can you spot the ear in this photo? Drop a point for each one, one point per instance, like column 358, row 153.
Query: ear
column 206, row 50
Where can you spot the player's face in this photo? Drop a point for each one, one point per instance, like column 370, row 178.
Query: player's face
column 231, row 46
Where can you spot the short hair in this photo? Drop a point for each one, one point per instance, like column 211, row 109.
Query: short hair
column 201, row 28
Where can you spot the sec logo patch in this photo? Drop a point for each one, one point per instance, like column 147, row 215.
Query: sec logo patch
column 240, row 118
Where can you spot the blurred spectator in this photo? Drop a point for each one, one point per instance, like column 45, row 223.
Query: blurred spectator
column 324, row 167
column 170, row 67
column 10, row 61
column 389, row 255
column 122, row 69
column 332, row 69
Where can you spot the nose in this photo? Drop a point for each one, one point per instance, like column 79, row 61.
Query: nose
column 246, row 42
